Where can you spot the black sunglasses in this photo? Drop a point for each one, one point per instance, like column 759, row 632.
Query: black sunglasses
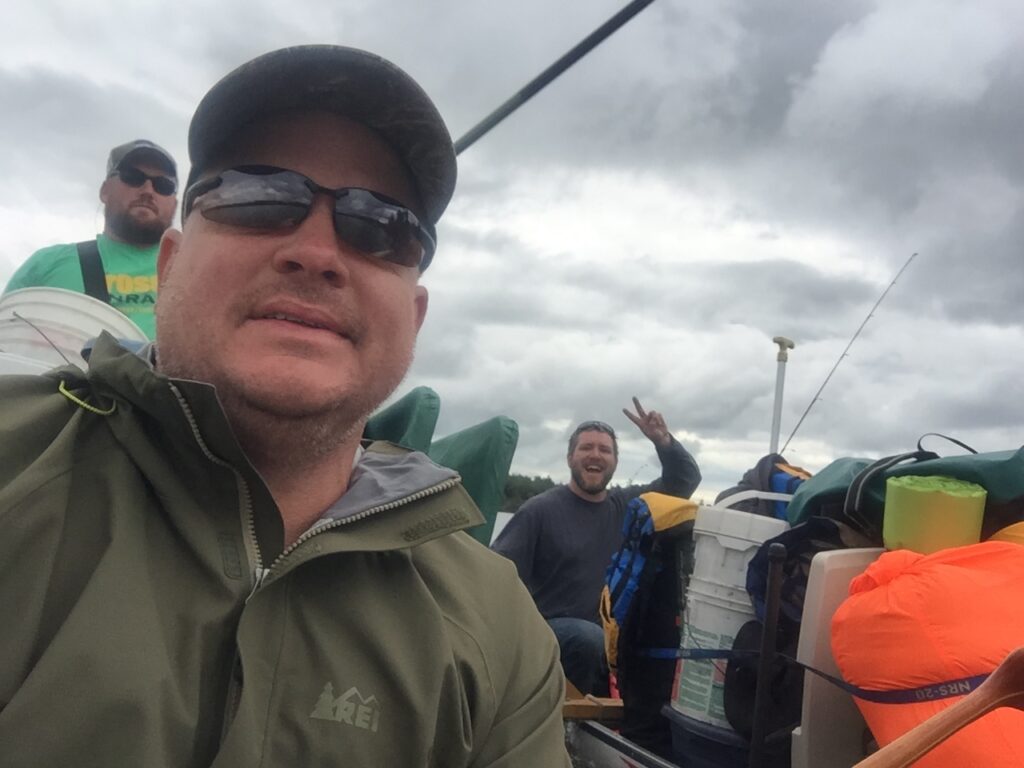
column 133, row 177
column 269, row 198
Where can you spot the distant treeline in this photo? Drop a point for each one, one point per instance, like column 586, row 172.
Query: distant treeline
column 519, row 488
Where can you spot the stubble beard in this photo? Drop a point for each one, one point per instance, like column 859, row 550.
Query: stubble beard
column 131, row 230
column 278, row 433
column 275, row 433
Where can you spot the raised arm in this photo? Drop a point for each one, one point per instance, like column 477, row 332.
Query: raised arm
column 680, row 474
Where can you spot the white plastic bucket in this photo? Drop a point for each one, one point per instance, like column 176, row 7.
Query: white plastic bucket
column 19, row 364
column 711, row 624
column 52, row 325
column 717, row 604
column 725, row 540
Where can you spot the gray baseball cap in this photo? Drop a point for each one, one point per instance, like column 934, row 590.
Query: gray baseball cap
column 141, row 149
column 356, row 84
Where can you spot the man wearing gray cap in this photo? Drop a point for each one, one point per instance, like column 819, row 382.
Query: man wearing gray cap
column 201, row 564
column 119, row 265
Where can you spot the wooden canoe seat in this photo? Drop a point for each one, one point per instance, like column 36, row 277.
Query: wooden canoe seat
column 580, row 707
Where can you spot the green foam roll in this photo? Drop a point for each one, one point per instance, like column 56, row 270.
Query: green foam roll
column 926, row 514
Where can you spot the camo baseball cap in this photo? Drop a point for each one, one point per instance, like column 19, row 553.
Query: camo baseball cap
column 141, row 150
column 354, row 83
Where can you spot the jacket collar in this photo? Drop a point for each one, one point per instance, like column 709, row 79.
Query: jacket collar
column 190, row 411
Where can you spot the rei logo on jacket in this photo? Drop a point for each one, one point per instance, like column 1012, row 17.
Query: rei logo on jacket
column 351, row 708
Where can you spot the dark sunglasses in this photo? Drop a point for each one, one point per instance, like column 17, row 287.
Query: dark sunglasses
column 269, row 198
column 133, row 177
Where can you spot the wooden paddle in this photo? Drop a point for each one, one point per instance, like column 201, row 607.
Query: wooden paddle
column 1003, row 688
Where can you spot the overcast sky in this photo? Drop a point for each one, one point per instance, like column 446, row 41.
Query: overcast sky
column 715, row 174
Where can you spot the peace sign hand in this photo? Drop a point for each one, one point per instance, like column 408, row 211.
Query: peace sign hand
column 651, row 423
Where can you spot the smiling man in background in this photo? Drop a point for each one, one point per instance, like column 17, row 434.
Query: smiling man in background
column 119, row 266
column 562, row 540
column 206, row 565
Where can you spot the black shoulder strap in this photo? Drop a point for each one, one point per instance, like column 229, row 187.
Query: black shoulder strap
column 853, row 507
column 953, row 440
column 93, row 277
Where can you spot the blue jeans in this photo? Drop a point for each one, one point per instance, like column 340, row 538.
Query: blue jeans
column 581, row 644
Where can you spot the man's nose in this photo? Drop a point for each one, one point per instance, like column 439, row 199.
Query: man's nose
column 314, row 247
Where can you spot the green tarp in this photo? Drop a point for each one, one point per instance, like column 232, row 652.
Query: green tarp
column 408, row 422
column 481, row 454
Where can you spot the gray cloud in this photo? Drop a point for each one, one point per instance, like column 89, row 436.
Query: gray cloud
column 715, row 174
column 59, row 131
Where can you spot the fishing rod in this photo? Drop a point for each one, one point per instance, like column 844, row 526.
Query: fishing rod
column 817, row 395
column 544, row 78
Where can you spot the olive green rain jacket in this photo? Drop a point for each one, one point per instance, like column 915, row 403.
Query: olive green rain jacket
column 150, row 617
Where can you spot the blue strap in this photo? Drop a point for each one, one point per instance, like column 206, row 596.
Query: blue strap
column 944, row 690
column 658, row 653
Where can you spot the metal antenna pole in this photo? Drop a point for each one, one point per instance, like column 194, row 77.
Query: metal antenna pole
column 780, row 378
column 534, row 86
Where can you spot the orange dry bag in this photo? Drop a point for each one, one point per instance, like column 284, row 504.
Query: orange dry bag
column 917, row 621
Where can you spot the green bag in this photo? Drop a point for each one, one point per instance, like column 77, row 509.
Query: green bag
column 852, row 490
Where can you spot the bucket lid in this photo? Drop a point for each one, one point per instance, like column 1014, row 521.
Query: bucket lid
column 37, row 322
column 737, row 524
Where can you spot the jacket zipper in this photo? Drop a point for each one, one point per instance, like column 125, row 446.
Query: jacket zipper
column 235, row 683
column 259, row 573
column 316, row 530
column 249, row 519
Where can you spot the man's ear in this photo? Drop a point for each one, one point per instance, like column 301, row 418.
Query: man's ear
column 170, row 242
column 421, row 299
column 104, row 191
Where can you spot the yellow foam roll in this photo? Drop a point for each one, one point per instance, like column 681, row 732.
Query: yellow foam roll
column 926, row 514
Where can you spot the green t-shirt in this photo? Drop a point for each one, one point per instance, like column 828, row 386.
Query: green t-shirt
column 130, row 270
